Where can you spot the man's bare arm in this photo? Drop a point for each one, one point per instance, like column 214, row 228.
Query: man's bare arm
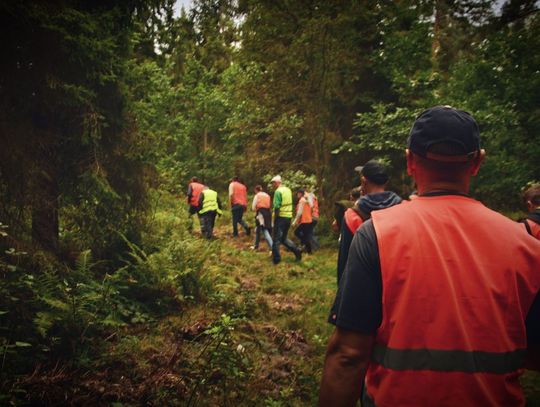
column 347, row 359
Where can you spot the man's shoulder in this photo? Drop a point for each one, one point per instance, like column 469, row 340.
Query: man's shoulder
column 283, row 188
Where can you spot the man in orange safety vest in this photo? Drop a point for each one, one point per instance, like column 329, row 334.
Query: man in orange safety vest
column 439, row 303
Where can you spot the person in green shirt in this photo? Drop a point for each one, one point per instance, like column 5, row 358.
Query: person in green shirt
column 283, row 211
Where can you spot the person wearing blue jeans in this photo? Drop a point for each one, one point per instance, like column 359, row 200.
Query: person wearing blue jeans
column 263, row 219
column 262, row 230
column 237, row 218
column 283, row 210
column 238, row 199
column 281, row 229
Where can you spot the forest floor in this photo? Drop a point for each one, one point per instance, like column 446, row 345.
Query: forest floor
column 257, row 337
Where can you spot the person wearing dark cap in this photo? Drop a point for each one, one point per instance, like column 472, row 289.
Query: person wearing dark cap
column 438, row 304
column 304, row 220
column 341, row 206
column 373, row 181
column 531, row 196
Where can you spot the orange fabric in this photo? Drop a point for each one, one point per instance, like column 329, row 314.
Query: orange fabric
column 353, row 220
column 306, row 211
column 263, row 200
column 535, row 228
column 450, row 282
column 239, row 195
column 315, row 207
column 196, row 189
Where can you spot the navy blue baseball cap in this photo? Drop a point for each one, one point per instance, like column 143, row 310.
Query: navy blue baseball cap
column 454, row 128
column 375, row 171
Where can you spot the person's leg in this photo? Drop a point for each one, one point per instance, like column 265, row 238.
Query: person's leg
column 192, row 210
column 200, row 221
column 257, row 236
column 236, row 216
column 301, row 234
column 243, row 222
column 308, row 237
column 211, row 222
column 314, row 241
column 203, row 219
column 289, row 244
column 267, row 237
column 278, row 232
column 298, row 232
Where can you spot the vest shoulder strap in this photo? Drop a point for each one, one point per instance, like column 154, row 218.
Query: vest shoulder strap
column 527, row 226
column 361, row 213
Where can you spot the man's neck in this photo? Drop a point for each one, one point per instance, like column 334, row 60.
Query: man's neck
column 454, row 187
column 373, row 189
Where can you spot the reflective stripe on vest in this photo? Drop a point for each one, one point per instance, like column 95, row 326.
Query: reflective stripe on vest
column 263, row 201
column 457, row 282
column 306, row 211
column 196, row 189
column 286, row 208
column 239, row 194
column 353, row 220
column 209, row 202
column 449, row 360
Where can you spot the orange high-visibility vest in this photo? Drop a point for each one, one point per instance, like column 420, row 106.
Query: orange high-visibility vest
column 457, row 282
column 315, row 207
column 535, row 228
column 353, row 220
column 239, row 194
column 263, row 200
column 196, row 189
column 306, row 211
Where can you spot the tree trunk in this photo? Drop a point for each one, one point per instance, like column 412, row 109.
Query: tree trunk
column 45, row 204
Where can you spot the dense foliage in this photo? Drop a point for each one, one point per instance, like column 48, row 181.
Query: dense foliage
column 108, row 108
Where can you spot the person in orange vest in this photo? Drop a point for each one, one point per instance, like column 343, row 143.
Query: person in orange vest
column 193, row 192
column 304, row 220
column 238, row 200
column 531, row 196
column 263, row 217
column 341, row 206
column 373, row 181
column 314, row 203
column 439, row 303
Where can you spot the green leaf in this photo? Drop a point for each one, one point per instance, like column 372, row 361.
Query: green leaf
column 22, row 344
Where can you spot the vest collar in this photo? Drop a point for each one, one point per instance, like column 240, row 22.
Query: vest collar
column 444, row 192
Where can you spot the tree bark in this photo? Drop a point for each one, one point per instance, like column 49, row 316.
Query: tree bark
column 45, row 202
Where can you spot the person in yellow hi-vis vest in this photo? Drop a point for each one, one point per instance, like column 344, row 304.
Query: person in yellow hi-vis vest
column 283, row 211
column 210, row 207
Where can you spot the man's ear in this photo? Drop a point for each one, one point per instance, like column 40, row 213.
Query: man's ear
column 410, row 162
column 477, row 162
column 363, row 180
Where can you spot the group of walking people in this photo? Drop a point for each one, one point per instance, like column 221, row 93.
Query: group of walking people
column 273, row 216
column 438, row 298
